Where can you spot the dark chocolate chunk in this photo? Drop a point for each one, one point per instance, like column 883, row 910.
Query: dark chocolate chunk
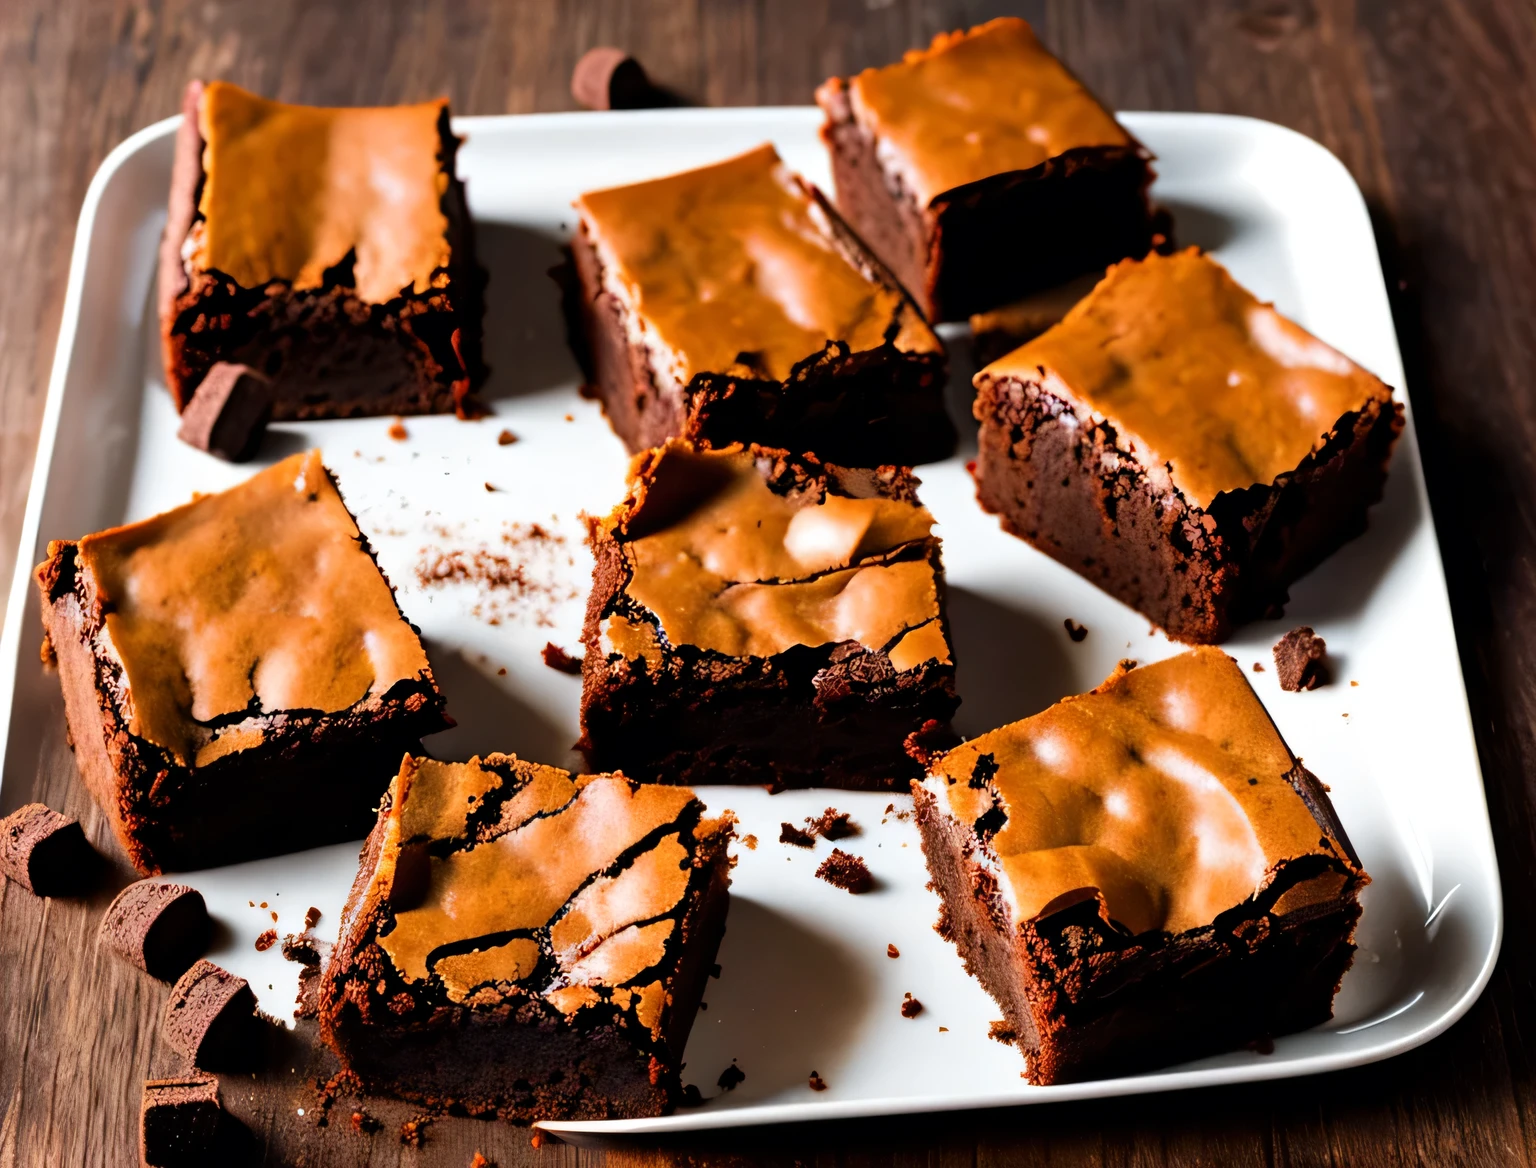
column 609, row 78
column 846, row 872
column 732, row 1077
column 910, row 1007
column 557, row 658
column 1074, row 630
column 161, row 928
column 790, row 834
column 45, row 852
column 1299, row 660
column 211, row 1018
column 179, row 1125
column 228, row 412
column 817, row 1083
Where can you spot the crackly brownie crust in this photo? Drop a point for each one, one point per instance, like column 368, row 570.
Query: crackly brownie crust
column 507, row 1050
column 998, row 239
column 1085, row 995
column 330, row 354
column 830, row 715
column 1062, row 480
column 880, row 406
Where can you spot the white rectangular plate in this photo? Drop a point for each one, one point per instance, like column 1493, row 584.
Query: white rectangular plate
column 807, row 983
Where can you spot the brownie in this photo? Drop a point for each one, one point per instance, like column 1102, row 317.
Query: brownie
column 179, row 1122
column 981, row 170
column 1143, row 874
column 161, row 928
column 998, row 332
column 731, row 304
column 1182, row 445
column 1301, row 660
column 527, row 943
column 45, row 852
column 329, row 249
column 237, row 677
column 757, row 618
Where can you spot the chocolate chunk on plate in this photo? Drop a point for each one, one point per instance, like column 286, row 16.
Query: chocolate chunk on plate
column 211, row 1018
column 45, row 852
column 228, row 412
column 1301, row 660
column 609, row 78
column 161, row 928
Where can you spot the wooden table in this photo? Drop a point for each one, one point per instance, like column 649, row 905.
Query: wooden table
column 1432, row 106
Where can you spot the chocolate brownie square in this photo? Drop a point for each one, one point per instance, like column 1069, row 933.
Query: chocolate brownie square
column 1143, row 874
column 527, row 943
column 761, row 618
column 1183, row 445
column 980, row 169
column 237, row 677
column 329, row 249
column 731, row 304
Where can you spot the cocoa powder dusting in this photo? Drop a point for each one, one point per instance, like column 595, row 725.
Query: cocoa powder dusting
column 523, row 576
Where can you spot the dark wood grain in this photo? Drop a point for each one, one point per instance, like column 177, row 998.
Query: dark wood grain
column 1432, row 106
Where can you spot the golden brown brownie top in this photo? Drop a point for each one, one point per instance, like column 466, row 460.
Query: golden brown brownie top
column 289, row 190
column 978, row 103
column 726, row 563
column 733, row 268
column 1164, row 788
column 590, row 869
column 259, row 599
column 1194, row 372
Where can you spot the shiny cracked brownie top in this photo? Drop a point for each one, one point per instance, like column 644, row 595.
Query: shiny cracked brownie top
column 1196, row 373
column 975, row 104
column 507, row 876
column 726, row 563
column 290, row 190
column 734, row 268
column 259, row 600
column 1165, row 789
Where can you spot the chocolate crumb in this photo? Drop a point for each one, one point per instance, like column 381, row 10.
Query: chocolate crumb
column 266, row 940
column 570, row 417
column 311, row 918
column 790, row 834
column 910, row 1007
column 817, row 1083
column 491, row 488
column 536, row 1140
column 846, row 872
column 943, row 1029
column 750, row 841
column 558, row 659
column 397, row 430
column 1299, row 660
column 481, row 1162
column 364, row 1124
column 1354, row 683
column 502, row 672
column 732, row 1077
column 832, row 824
column 892, row 951
column 413, row 1132
column 1001, row 1031
column 1074, row 630
column 1257, row 668
column 506, row 438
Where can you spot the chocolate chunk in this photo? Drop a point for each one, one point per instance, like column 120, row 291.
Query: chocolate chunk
column 161, row 928
column 1074, row 630
column 910, row 1007
column 228, row 413
column 845, row 871
column 46, row 852
column 609, row 78
column 506, row 438
column 892, row 951
column 1299, row 660
column 266, row 940
column 179, row 1124
column 311, row 918
column 732, row 1077
column 832, row 824
column 557, row 658
column 790, row 834
column 211, row 1018
column 817, row 1083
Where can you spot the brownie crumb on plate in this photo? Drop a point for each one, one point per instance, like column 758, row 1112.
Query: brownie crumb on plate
column 832, row 824
column 790, row 834
column 506, row 438
column 266, row 940
column 1074, row 630
column 892, row 951
column 732, row 1077
column 817, row 1083
column 160, row 928
column 45, row 852
column 311, row 918
column 910, row 1007
column 846, row 872
column 557, row 658
column 1300, row 660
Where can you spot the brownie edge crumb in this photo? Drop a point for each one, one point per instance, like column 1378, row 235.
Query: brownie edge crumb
column 1300, row 660
column 1001, row 1031
column 846, row 872
column 832, row 824
column 817, row 1083
column 1074, row 630
column 790, row 834
column 558, row 659
column 910, row 1007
